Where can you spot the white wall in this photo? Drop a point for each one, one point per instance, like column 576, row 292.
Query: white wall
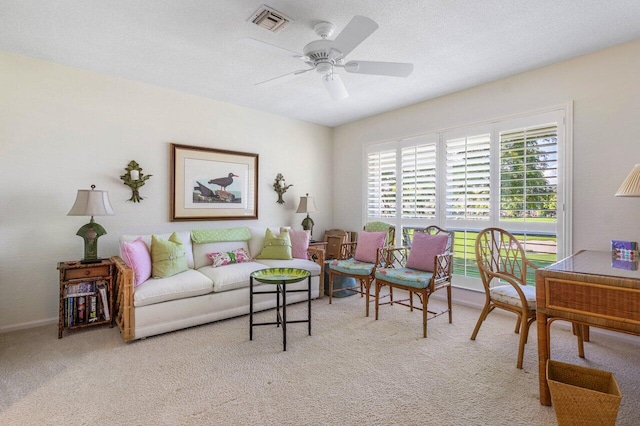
column 63, row 129
column 605, row 90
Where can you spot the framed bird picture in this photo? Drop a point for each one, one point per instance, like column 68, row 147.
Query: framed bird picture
column 213, row 184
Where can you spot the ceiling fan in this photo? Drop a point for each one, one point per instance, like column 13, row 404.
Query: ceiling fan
column 326, row 55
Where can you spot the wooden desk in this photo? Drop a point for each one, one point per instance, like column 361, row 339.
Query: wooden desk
column 584, row 289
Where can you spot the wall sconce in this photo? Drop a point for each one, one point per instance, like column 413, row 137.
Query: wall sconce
column 280, row 187
column 134, row 179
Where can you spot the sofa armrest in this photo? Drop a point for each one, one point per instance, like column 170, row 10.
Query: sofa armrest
column 317, row 255
column 125, row 318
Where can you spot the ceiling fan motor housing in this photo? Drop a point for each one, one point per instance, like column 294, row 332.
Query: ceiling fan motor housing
column 317, row 51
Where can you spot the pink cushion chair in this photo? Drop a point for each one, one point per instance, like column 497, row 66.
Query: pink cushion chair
column 422, row 269
column 360, row 259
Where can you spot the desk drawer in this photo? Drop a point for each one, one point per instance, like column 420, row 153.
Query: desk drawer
column 80, row 273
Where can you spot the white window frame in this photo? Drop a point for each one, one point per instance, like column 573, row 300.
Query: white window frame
column 560, row 114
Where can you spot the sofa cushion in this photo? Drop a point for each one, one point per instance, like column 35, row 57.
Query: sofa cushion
column 299, row 243
column 223, row 258
column 168, row 257
column 185, row 237
column 230, row 277
column 200, row 251
column 185, row 284
column 202, row 236
column 276, row 247
column 136, row 255
column 310, row 266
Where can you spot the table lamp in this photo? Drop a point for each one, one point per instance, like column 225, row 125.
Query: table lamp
column 91, row 203
column 307, row 205
column 631, row 185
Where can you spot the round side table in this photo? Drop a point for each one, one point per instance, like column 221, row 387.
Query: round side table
column 279, row 277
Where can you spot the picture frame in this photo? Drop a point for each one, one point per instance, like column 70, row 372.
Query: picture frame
column 213, row 184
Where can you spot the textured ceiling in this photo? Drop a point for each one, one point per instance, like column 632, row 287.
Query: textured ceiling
column 194, row 46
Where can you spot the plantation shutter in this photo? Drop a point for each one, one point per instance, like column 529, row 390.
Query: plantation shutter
column 419, row 181
column 381, row 184
column 468, row 178
column 529, row 174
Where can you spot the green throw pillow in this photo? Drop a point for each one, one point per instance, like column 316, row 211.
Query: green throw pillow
column 167, row 257
column 276, row 247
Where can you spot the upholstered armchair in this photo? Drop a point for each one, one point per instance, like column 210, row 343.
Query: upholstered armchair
column 421, row 270
column 360, row 259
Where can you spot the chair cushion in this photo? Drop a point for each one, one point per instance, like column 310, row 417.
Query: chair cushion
column 352, row 266
column 405, row 276
column 424, row 249
column 507, row 294
column 368, row 245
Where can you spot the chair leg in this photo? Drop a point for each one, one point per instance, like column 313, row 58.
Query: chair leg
column 361, row 288
column 518, row 324
column 330, row 286
column 449, row 304
column 523, row 341
column 411, row 301
column 378, row 286
column 425, row 302
column 578, row 331
column 483, row 316
column 367, row 285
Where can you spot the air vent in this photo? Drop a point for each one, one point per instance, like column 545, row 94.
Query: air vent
column 270, row 19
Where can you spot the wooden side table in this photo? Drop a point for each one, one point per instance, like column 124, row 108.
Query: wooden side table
column 86, row 294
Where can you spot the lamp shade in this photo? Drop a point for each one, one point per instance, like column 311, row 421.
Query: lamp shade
column 91, row 202
column 631, row 185
column 307, row 205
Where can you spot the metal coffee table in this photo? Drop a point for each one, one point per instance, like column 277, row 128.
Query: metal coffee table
column 280, row 277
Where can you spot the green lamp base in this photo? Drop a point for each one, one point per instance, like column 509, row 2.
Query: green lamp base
column 90, row 234
column 307, row 224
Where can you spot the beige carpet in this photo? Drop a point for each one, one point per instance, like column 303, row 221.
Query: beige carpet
column 353, row 370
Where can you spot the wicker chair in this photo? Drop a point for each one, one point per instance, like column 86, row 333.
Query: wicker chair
column 434, row 274
column 363, row 272
column 499, row 255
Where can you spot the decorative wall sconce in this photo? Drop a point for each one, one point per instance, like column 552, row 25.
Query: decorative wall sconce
column 134, row 179
column 280, row 187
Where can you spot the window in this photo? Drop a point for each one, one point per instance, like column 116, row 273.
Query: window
column 508, row 173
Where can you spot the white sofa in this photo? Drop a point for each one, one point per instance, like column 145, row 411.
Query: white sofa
column 202, row 293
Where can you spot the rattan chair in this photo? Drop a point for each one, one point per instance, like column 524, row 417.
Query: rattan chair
column 435, row 274
column 503, row 268
column 363, row 272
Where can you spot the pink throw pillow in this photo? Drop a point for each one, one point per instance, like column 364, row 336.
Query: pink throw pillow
column 137, row 257
column 228, row 257
column 299, row 243
column 368, row 245
column 424, row 249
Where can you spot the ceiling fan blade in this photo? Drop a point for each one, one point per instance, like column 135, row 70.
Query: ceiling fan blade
column 356, row 31
column 273, row 49
column 392, row 69
column 282, row 78
column 336, row 88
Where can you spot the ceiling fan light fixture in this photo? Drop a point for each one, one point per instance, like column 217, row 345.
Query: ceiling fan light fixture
column 335, row 87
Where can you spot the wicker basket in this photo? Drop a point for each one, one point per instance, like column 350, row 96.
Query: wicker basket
column 583, row 396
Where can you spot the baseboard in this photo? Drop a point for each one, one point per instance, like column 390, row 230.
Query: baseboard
column 26, row 325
